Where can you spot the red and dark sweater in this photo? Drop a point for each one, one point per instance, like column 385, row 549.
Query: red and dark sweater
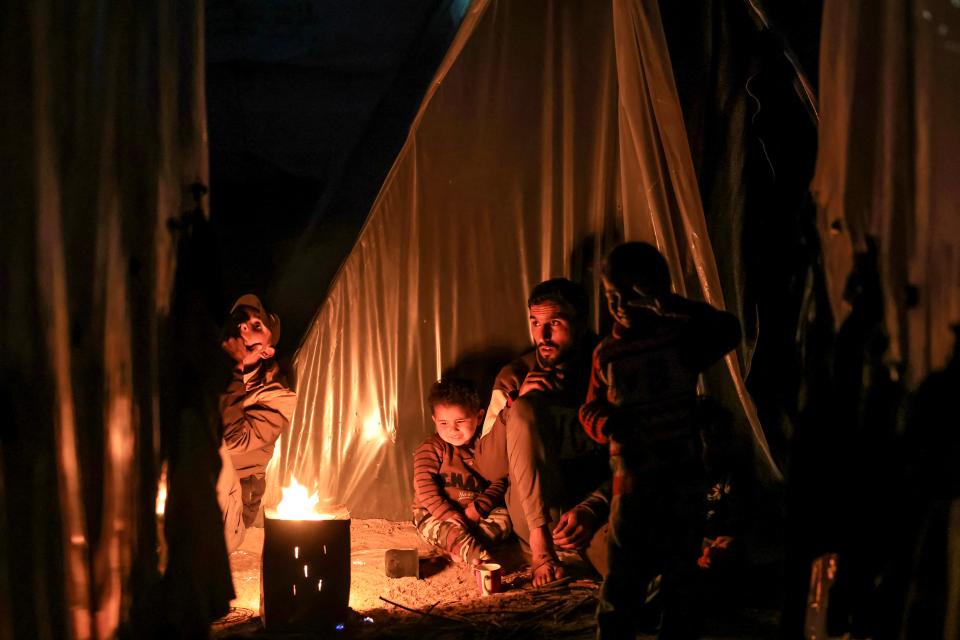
column 643, row 381
column 445, row 481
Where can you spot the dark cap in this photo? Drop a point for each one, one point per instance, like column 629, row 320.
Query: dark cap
column 272, row 320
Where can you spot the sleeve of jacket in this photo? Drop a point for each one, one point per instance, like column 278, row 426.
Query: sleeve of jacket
column 710, row 334
column 498, row 402
column 720, row 332
column 595, row 412
column 248, row 426
column 491, row 497
column 598, row 502
column 505, row 389
column 427, row 482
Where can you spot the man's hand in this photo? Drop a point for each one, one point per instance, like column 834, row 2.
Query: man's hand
column 471, row 512
column 235, row 348
column 575, row 529
column 540, row 381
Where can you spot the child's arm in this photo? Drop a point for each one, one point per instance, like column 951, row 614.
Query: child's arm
column 428, row 483
column 710, row 333
column 595, row 412
column 720, row 333
column 252, row 427
column 491, row 497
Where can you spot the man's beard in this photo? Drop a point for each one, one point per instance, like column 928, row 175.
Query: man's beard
column 555, row 357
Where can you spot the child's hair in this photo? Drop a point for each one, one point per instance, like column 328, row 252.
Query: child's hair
column 640, row 265
column 563, row 292
column 453, row 391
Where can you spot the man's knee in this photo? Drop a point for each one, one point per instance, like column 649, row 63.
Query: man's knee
column 521, row 430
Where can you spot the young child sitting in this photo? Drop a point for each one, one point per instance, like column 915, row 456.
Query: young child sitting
column 455, row 508
column 642, row 399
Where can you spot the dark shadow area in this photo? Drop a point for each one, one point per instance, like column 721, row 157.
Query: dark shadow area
column 309, row 103
column 432, row 565
column 741, row 71
column 481, row 367
column 925, row 533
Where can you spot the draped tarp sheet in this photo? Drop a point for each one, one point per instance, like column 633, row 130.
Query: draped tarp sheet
column 527, row 160
column 102, row 125
column 660, row 195
column 887, row 165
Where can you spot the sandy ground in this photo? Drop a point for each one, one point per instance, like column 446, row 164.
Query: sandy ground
column 369, row 541
column 446, row 590
column 446, row 596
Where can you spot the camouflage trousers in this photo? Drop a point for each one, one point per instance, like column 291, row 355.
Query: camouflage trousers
column 462, row 544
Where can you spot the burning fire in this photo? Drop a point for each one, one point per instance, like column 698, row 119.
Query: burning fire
column 297, row 505
column 161, row 505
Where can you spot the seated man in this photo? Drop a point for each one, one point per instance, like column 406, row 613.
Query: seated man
column 254, row 410
column 536, row 442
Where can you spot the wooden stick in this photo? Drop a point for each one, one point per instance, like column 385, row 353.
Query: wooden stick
column 457, row 619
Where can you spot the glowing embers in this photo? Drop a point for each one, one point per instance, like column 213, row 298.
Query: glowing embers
column 305, row 576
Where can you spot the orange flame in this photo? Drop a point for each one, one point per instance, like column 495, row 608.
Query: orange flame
column 161, row 505
column 297, row 505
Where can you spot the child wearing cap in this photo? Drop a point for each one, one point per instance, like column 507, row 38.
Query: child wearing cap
column 256, row 407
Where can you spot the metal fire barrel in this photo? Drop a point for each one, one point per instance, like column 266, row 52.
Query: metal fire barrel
column 305, row 575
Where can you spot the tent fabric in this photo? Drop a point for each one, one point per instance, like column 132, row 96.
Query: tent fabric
column 527, row 160
column 103, row 128
column 886, row 166
column 660, row 193
column 752, row 135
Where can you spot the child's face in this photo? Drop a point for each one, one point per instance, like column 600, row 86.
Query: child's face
column 254, row 333
column 455, row 423
column 627, row 306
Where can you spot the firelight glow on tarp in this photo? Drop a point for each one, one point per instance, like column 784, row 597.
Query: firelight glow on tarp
column 560, row 161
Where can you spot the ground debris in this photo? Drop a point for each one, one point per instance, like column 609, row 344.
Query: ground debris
column 444, row 603
column 530, row 613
